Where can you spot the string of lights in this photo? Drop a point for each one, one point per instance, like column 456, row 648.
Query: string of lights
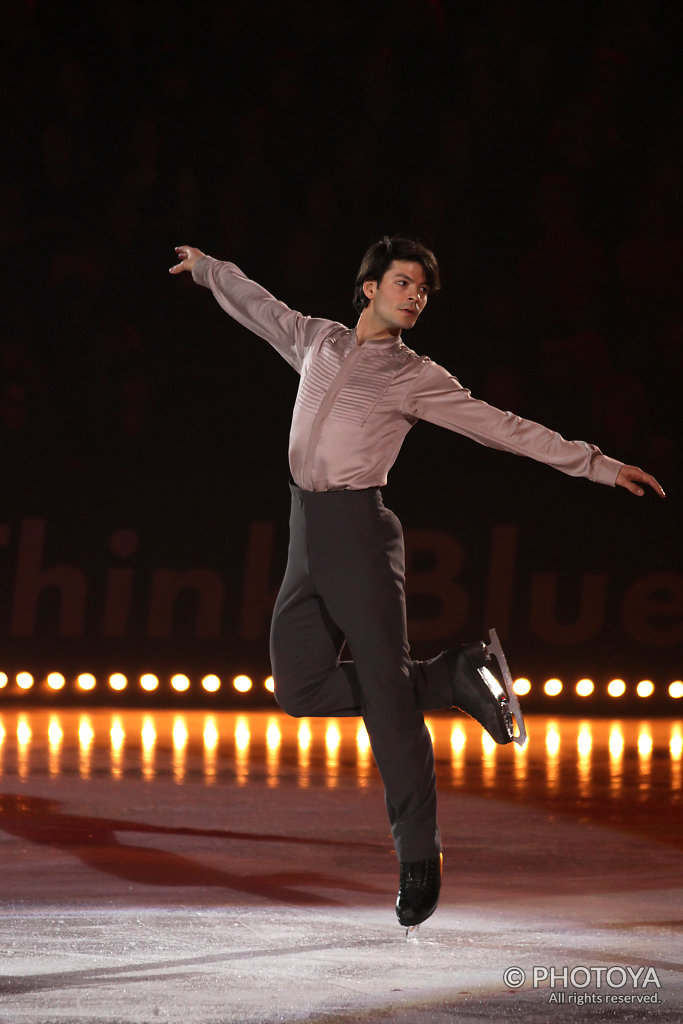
column 85, row 684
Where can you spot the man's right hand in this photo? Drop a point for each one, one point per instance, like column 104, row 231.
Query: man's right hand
column 187, row 257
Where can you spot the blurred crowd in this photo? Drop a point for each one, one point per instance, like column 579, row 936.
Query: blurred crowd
column 535, row 147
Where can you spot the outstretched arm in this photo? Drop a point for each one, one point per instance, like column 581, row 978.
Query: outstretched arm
column 630, row 477
column 438, row 397
column 290, row 333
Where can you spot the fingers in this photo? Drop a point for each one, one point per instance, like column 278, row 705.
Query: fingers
column 631, row 477
column 184, row 253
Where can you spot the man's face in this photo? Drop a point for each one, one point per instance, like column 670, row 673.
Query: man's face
column 399, row 298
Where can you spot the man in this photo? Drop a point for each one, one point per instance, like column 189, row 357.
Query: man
column 360, row 392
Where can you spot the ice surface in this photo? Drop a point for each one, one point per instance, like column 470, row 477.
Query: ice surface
column 130, row 900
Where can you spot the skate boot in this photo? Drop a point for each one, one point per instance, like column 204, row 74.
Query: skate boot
column 482, row 688
column 418, row 890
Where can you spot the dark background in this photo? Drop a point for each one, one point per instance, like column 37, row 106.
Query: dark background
column 536, row 146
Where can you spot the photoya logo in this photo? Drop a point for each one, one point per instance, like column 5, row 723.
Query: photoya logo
column 581, row 977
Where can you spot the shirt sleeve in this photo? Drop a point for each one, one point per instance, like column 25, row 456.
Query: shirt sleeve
column 289, row 332
column 436, row 396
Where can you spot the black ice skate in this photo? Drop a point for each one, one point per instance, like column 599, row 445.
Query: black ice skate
column 482, row 688
column 418, row 891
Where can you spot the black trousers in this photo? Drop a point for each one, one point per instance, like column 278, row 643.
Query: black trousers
column 345, row 581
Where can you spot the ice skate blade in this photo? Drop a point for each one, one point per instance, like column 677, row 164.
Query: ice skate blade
column 494, row 648
column 411, row 932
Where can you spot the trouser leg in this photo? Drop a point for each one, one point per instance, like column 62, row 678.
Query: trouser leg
column 345, row 579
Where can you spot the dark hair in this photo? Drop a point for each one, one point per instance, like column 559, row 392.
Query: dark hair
column 382, row 254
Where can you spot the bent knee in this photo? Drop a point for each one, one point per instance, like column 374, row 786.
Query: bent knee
column 287, row 698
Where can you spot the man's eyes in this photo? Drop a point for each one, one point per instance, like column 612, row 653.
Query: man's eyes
column 424, row 290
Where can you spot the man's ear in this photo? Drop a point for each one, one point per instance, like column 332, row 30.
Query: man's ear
column 369, row 289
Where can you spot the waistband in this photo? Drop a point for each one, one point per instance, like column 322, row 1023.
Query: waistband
column 371, row 495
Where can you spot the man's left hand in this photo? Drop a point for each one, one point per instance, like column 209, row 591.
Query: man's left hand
column 631, row 477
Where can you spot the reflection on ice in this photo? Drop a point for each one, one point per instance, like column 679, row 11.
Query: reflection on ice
column 552, row 746
column 332, row 744
column 593, row 761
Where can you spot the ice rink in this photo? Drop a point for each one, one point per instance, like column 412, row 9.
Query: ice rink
column 223, row 867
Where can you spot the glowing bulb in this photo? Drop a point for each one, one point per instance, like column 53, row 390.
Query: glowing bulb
column 676, row 689
column 180, row 683
column 488, row 743
column 332, row 737
column 585, row 687
column 617, row 688
column 55, row 733
column 644, row 744
column 553, row 687
column 211, row 683
column 552, row 741
column 149, row 682
column 180, row 734
column 25, row 680
column 304, row 735
column 676, row 746
column 584, row 742
column 210, row 734
column 148, row 734
column 521, row 686
column 117, row 735
column 24, row 733
column 270, row 684
column 85, row 733
column 118, row 681
column 4, row 680
column 242, row 735
column 242, row 684
column 645, row 688
column 616, row 742
column 56, row 681
column 273, row 736
column 362, row 738
column 458, row 738
column 86, row 681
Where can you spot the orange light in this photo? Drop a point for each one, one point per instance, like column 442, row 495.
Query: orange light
column 242, row 684
column 676, row 689
column 180, row 683
column 149, row 681
column 458, row 739
column 118, row 681
column 211, row 683
column 645, row 688
column 210, row 734
column 180, row 734
column 522, row 686
column 270, row 684
column 86, row 733
column 332, row 737
column 552, row 740
column 273, row 735
column 56, row 681
column 553, row 687
column 55, row 733
column 585, row 687
column 617, row 688
column 24, row 734
column 362, row 738
column 86, row 681
column 24, row 680
column 303, row 735
column 242, row 735
column 4, row 680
